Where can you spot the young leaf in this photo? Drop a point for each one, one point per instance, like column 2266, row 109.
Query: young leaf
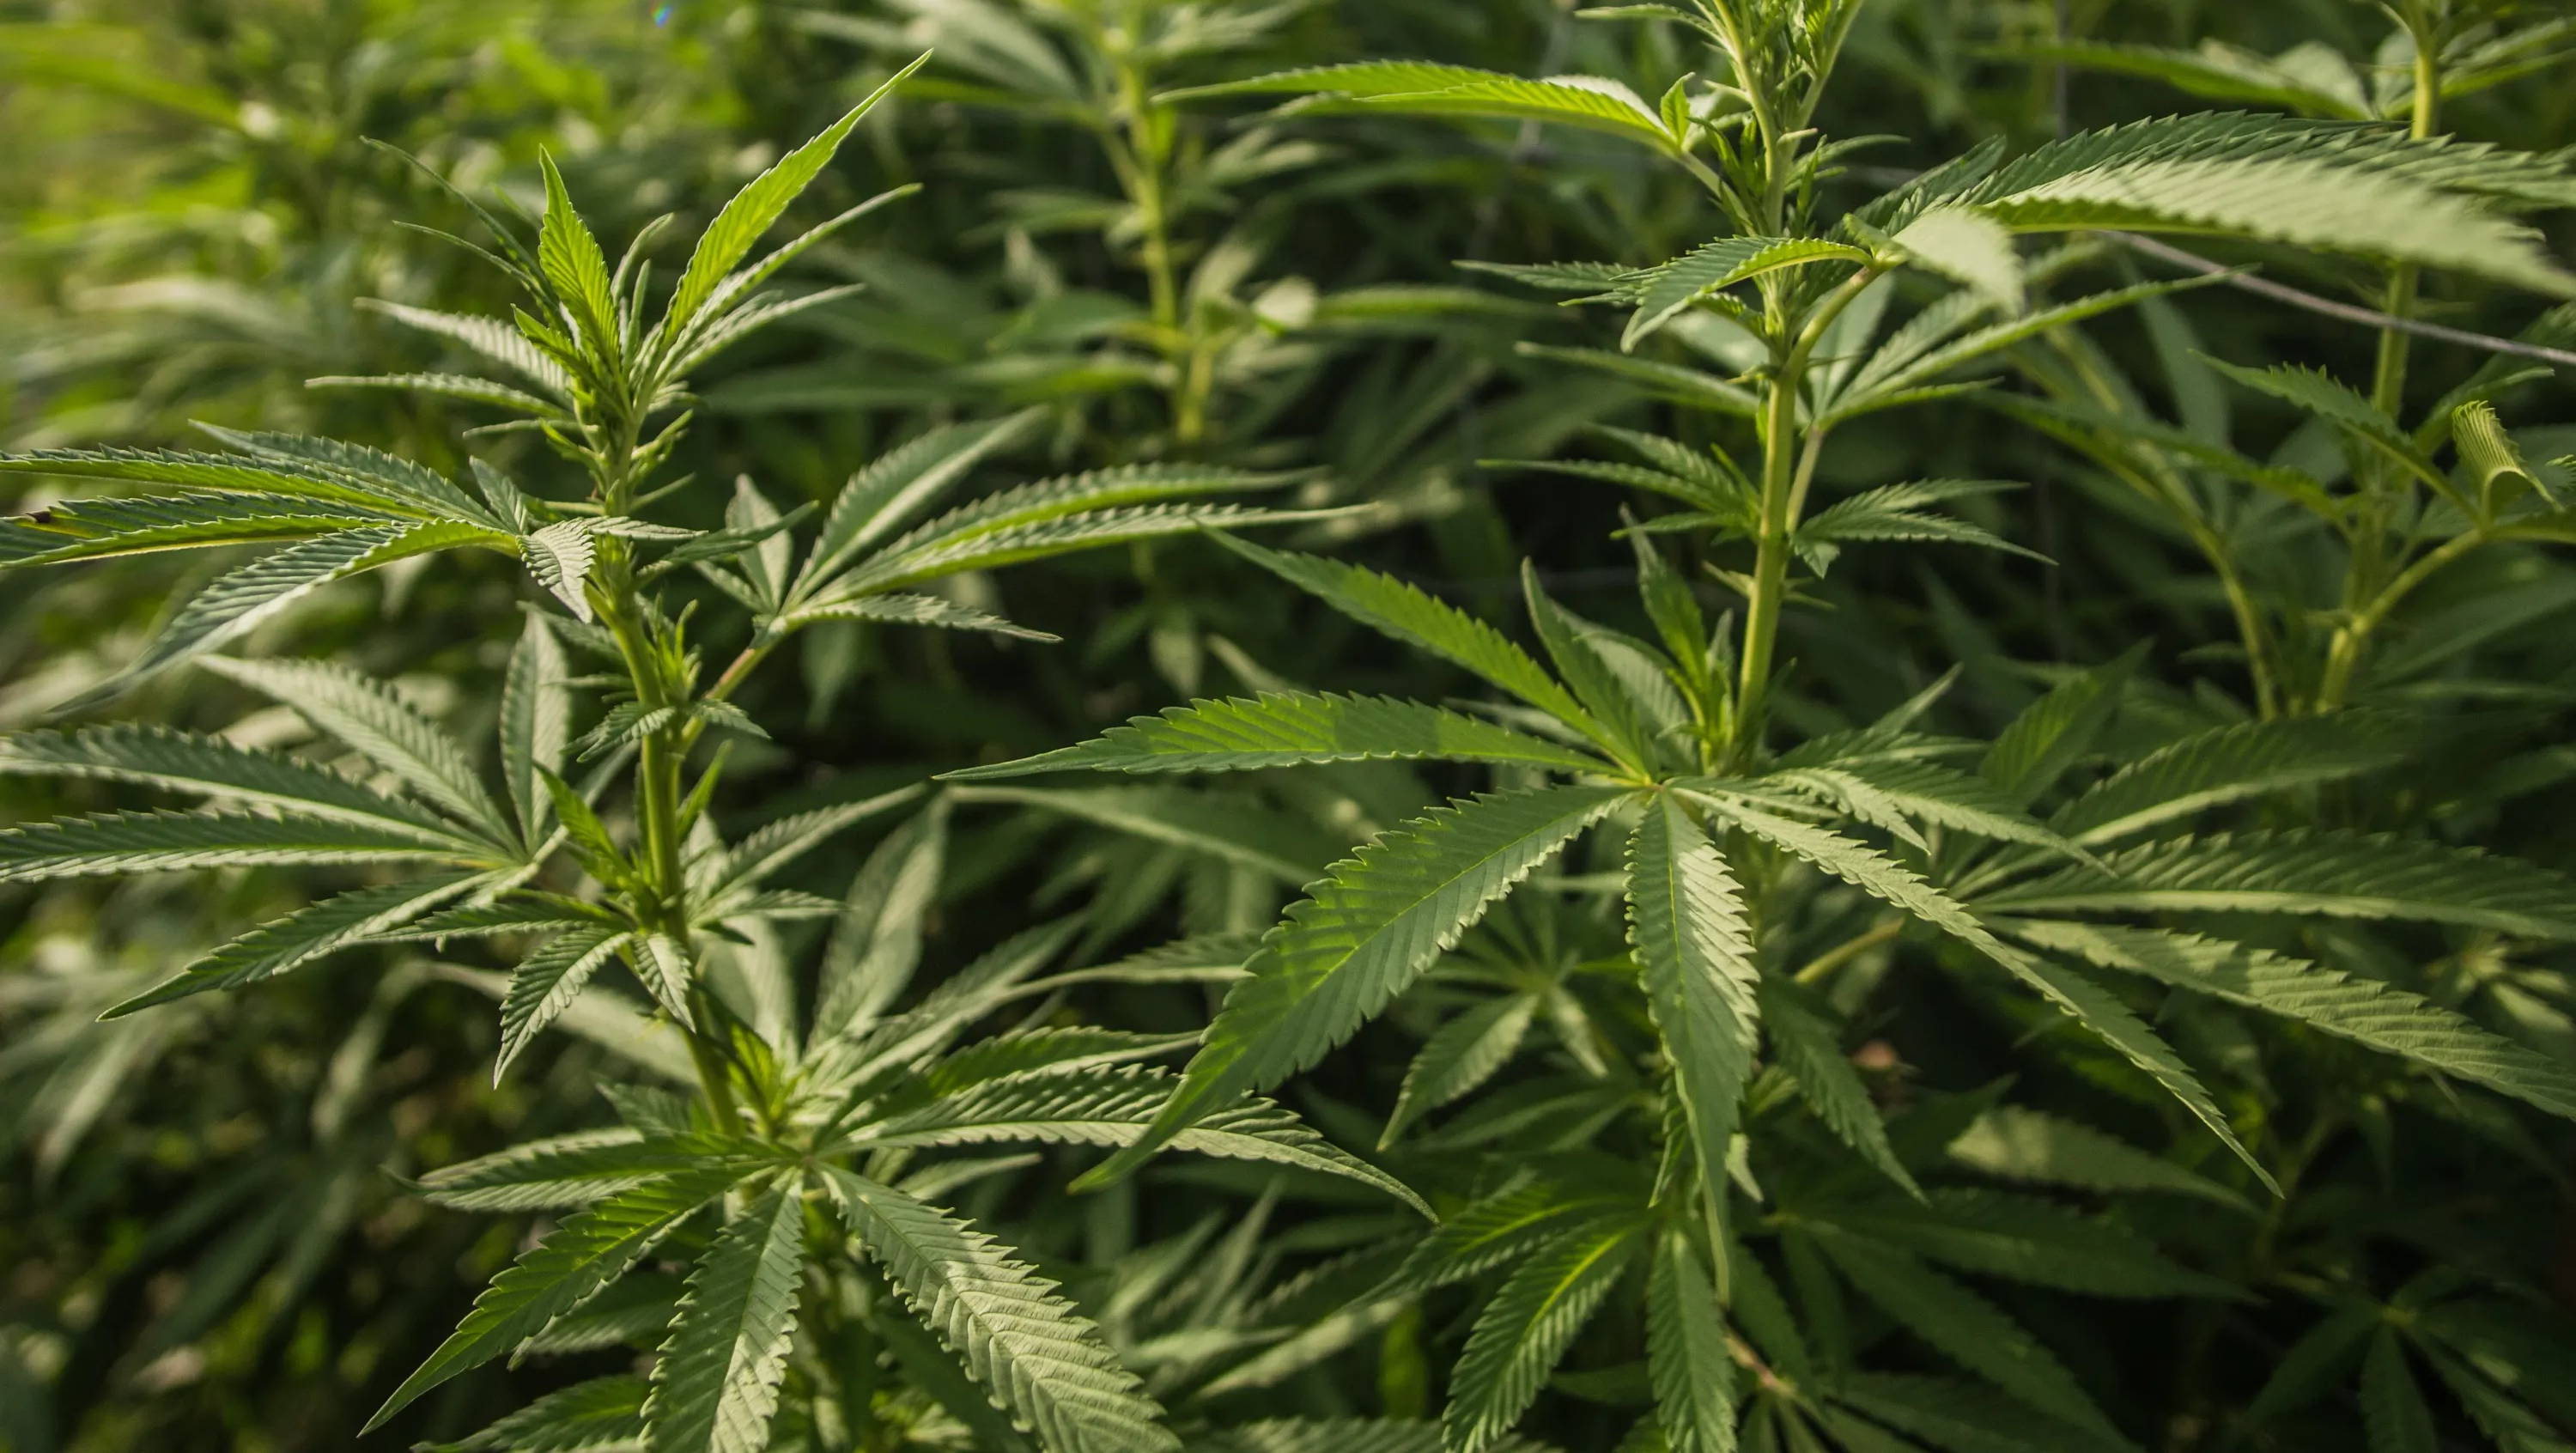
column 560, row 556
column 1666, row 291
column 574, row 268
column 756, row 207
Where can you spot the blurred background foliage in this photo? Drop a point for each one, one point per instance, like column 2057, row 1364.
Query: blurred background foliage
column 205, row 1237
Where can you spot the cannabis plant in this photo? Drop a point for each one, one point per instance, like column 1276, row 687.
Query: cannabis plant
column 601, row 848
column 1754, row 870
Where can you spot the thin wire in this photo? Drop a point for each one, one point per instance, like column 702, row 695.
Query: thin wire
column 2348, row 312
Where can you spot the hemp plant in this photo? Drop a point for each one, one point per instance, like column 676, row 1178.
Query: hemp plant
column 2386, row 509
column 786, row 1179
column 1754, row 870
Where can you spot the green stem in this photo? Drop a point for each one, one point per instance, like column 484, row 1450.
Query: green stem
column 657, row 810
column 1824, row 964
column 2388, row 384
column 2369, row 562
column 1137, row 152
column 1770, row 564
column 2343, row 657
column 1788, row 469
column 2151, row 476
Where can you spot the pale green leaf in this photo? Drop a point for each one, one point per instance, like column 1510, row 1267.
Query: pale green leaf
column 1407, row 614
column 908, row 610
column 546, row 982
column 876, row 944
column 1035, row 1354
column 2225, row 764
column 1686, row 1353
column 298, row 939
column 535, row 729
column 1364, row 935
column 162, row 842
column 1527, row 1328
column 886, row 496
column 1967, row 247
column 2029, row 1145
column 754, row 209
column 2310, row 871
column 371, row 717
column 1694, row 950
column 715, row 1384
column 2366, row 1011
column 1282, row 729
column 101, row 528
column 585, row 1253
column 154, row 756
column 1424, row 89
column 1459, row 1056
column 1113, row 1107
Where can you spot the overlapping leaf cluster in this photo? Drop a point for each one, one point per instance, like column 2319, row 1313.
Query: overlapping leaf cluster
column 1759, row 1009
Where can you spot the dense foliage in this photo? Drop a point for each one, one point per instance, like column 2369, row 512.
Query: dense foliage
column 1931, row 818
